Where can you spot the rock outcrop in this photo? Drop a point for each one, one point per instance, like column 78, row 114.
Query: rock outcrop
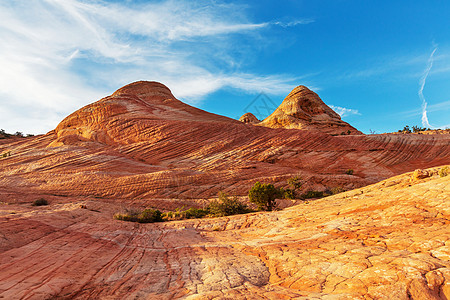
column 390, row 240
column 142, row 144
column 303, row 109
column 130, row 115
column 141, row 147
column 249, row 118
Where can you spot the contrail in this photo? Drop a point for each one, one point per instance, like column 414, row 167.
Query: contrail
column 422, row 81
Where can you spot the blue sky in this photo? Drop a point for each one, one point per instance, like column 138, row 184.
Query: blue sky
column 380, row 64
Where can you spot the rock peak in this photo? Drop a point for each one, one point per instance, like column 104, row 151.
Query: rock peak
column 145, row 89
column 303, row 109
column 249, row 118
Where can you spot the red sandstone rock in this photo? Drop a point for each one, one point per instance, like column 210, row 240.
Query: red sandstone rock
column 303, row 109
column 142, row 147
column 142, row 144
column 390, row 240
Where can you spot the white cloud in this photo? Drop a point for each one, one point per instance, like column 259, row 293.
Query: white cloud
column 57, row 55
column 344, row 112
column 422, row 82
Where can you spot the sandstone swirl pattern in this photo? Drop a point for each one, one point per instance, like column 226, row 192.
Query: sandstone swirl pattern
column 141, row 146
column 390, row 240
column 141, row 143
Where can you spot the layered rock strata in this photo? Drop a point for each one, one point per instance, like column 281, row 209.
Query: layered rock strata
column 303, row 109
column 390, row 240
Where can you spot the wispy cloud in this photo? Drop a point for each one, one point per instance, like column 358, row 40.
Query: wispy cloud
column 422, row 82
column 344, row 112
column 437, row 107
column 57, row 55
column 292, row 23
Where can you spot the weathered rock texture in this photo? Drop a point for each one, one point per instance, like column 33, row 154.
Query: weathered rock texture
column 303, row 109
column 249, row 118
column 390, row 240
column 143, row 144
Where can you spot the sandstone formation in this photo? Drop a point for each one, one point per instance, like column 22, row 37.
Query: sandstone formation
column 303, row 109
column 143, row 145
column 249, row 118
column 390, row 240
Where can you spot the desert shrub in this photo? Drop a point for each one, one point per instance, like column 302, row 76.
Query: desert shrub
column 226, row 206
column 312, row 194
column 180, row 214
column 264, row 195
column 195, row 213
column 349, row 172
column 40, row 202
column 125, row 217
column 150, row 216
column 146, row 216
column 418, row 128
column 405, row 129
column 288, row 193
column 337, row 190
column 443, row 171
column 295, row 184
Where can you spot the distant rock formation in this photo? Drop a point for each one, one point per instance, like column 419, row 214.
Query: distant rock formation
column 143, row 143
column 130, row 115
column 303, row 109
column 249, row 118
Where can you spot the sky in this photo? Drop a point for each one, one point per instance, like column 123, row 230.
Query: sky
column 380, row 64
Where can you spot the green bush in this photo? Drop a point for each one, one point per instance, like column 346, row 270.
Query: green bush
column 195, row 213
column 180, row 214
column 264, row 195
column 150, row 216
column 288, row 193
column 312, row 194
column 405, row 129
column 40, row 202
column 296, row 184
column 146, row 216
column 227, row 206
column 443, row 172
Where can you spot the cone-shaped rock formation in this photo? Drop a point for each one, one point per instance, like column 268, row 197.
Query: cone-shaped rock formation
column 303, row 109
column 129, row 115
column 249, row 118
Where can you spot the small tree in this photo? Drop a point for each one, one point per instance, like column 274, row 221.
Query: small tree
column 405, row 129
column 227, row 206
column 264, row 195
column 296, row 184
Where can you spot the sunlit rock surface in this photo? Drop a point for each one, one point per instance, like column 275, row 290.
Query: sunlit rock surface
column 390, row 240
column 249, row 118
column 303, row 109
column 142, row 144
